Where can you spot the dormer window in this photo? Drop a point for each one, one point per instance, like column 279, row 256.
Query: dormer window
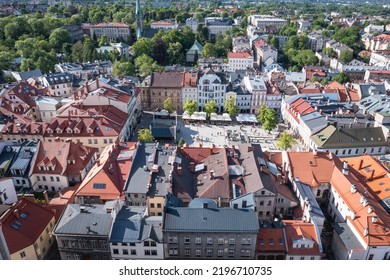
column 72, row 161
column 89, row 130
column 58, row 130
column 49, row 130
column 69, row 130
column 76, row 130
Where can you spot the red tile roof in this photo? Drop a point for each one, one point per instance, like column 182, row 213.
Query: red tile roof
column 112, row 169
column 28, row 229
column 299, row 108
column 240, row 55
column 296, row 230
column 110, row 25
column 58, row 155
column 311, row 169
column 379, row 231
column 271, row 240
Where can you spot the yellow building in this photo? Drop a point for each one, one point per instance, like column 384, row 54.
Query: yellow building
column 27, row 229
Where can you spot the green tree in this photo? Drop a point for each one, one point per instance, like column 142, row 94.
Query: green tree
column 346, row 56
column 175, row 53
column 275, row 42
column 103, row 41
column 181, row 142
column 210, row 107
column 231, row 106
column 59, row 37
column 145, row 136
column 285, row 141
column 145, row 64
column 77, row 52
column 267, row 117
column 5, row 61
column 329, row 52
column 143, row 46
column 190, row 106
column 208, row 50
column 342, row 78
column 123, row 69
column 168, row 105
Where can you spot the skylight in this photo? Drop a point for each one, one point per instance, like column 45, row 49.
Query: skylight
column 99, row 186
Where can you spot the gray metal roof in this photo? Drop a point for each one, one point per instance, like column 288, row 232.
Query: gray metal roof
column 131, row 225
column 210, row 220
column 306, row 192
column 139, row 178
column 347, row 236
column 93, row 220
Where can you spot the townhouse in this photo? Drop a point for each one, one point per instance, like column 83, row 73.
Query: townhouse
column 112, row 30
column 240, row 61
column 58, row 165
column 212, row 85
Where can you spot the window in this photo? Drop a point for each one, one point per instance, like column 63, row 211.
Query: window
column 271, row 242
column 261, row 203
column 153, row 244
column 133, row 252
column 197, row 252
column 232, row 241
column 146, row 243
column 44, row 178
column 231, row 252
column 209, row 252
column 187, row 252
column 89, row 141
column 186, row 240
column 58, row 179
column 302, row 258
column 158, row 205
column 131, row 245
column 291, row 258
column 245, row 253
column 311, row 258
column 40, row 238
column 151, row 205
column 38, row 178
column 221, row 241
column 280, row 241
column 154, row 252
column 125, row 251
column 110, row 141
column 23, row 254
column 220, row 253
column 371, row 257
column 147, row 252
column 95, row 141
column 209, row 240
column 198, row 240
column 115, row 251
column 172, row 239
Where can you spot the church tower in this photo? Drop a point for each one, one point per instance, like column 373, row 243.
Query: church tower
column 139, row 20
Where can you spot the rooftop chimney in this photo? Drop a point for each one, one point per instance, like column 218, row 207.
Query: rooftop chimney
column 330, row 155
column 353, row 188
column 16, row 213
column 374, row 219
column 369, row 210
column 314, row 152
column 178, row 170
column 365, row 232
column 46, row 197
column 345, row 168
column 353, row 215
column 212, row 173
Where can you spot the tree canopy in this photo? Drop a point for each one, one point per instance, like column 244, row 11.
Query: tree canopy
column 190, row 106
column 267, row 117
column 231, row 107
column 285, row 141
column 210, row 107
column 145, row 136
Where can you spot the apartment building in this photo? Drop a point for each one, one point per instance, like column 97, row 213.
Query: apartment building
column 240, row 61
column 112, row 30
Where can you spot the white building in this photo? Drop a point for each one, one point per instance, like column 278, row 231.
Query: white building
column 7, row 191
column 167, row 24
column 112, row 30
column 47, row 108
column 218, row 26
column 136, row 236
column 240, row 61
column 212, row 86
column 192, row 23
column 190, row 87
column 58, row 84
column 265, row 23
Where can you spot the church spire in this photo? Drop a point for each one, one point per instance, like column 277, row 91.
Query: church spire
column 139, row 20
